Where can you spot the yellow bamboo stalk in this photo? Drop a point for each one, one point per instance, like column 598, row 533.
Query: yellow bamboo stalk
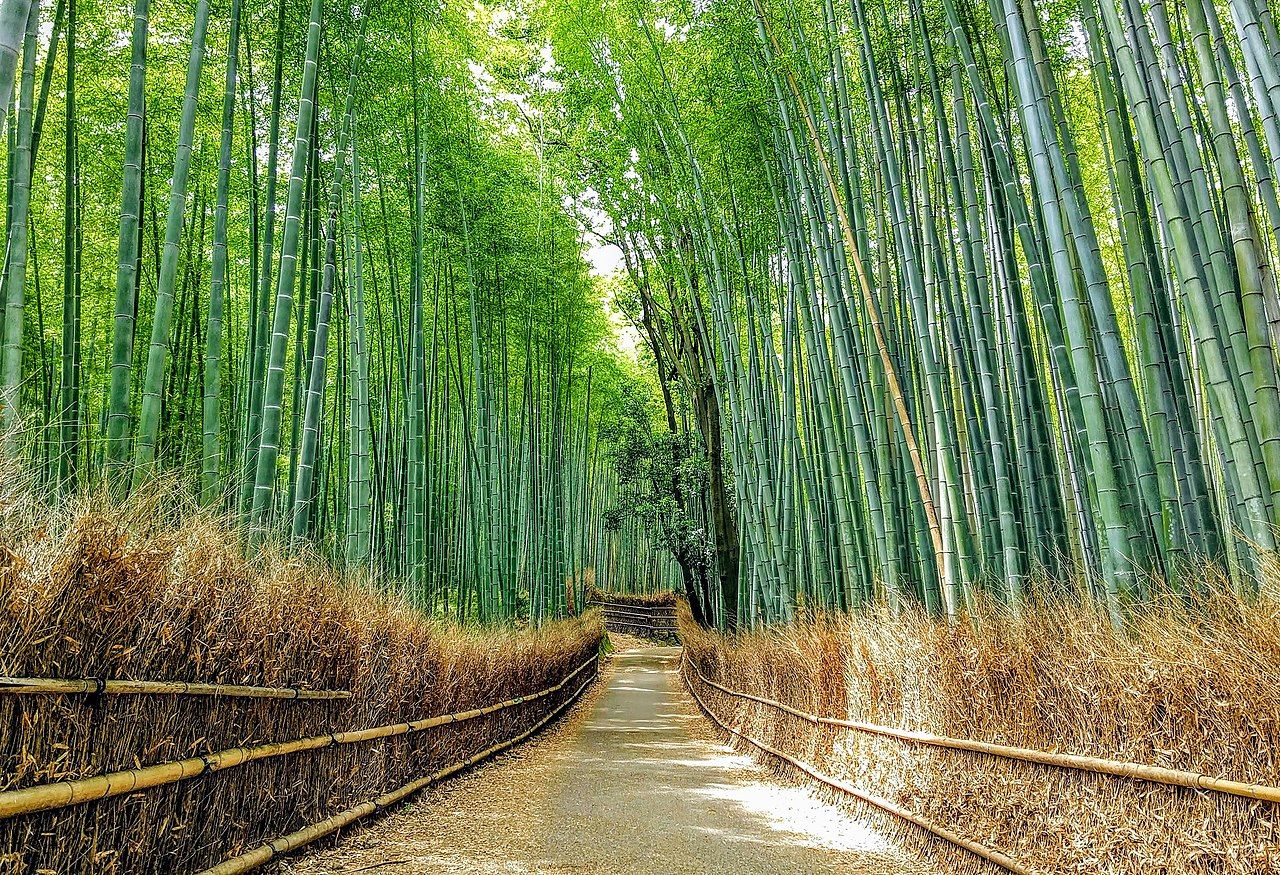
column 1097, row 765
column 23, row 685
column 992, row 856
column 44, row 797
column 285, row 844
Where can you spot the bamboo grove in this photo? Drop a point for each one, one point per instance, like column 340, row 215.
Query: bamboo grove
column 934, row 301
column 283, row 251
column 987, row 288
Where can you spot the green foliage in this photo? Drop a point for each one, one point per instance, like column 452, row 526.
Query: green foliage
column 659, row 473
column 974, row 281
column 286, row 378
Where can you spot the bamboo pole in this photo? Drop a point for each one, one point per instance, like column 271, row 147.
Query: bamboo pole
column 21, row 685
column 285, row 844
column 1097, row 765
column 44, row 797
column 991, row 856
column 648, row 614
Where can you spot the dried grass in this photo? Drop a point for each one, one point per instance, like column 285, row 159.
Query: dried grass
column 157, row 590
column 661, row 599
column 1187, row 686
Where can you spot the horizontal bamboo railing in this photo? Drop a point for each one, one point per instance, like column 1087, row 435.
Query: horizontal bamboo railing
column 638, row 620
column 653, row 620
column 629, row 608
column 44, row 797
column 264, row 853
column 1097, row 765
column 992, row 856
column 99, row 686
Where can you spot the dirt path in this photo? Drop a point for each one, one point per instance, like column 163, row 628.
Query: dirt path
column 631, row 782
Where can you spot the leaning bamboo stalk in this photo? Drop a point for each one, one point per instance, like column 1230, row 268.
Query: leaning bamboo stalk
column 99, row 686
column 991, row 856
column 1097, row 765
column 44, row 797
column 285, row 844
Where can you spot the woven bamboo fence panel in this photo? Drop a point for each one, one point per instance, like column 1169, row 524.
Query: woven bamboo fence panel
column 996, row 858
column 268, row 851
column 44, row 797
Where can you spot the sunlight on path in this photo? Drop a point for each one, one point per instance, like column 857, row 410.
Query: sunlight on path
column 632, row 782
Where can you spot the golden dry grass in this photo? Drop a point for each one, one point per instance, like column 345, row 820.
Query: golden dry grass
column 1186, row 686
column 664, row 598
column 157, row 590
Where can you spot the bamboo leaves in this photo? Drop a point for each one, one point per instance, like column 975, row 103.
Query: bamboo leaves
column 991, row 371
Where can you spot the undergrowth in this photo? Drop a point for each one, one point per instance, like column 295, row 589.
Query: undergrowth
column 1187, row 685
column 154, row 589
column 659, row 599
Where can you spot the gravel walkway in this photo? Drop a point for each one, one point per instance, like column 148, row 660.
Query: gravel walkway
column 632, row 781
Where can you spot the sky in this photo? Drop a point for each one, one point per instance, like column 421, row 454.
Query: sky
column 605, row 258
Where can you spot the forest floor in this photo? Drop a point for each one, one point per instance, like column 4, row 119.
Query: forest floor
column 632, row 781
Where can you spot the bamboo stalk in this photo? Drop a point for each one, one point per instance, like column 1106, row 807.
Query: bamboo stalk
column 285, row 844
column 991, row 856
column 1097, row 765
column 44, row 797
column 22, row 685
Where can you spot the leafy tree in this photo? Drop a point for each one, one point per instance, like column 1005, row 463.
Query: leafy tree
column 662, row 475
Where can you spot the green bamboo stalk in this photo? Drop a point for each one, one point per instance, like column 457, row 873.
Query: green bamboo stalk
column 211, row 486
column 158, row 353
column 269, row 446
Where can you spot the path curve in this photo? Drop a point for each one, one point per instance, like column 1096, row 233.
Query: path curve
column 632, row 781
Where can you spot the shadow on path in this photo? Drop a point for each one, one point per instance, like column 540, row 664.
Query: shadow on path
column 632, row 782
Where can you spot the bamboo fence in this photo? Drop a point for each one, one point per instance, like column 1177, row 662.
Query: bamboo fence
column 44, row 797
column 990, row 855
column 1097, row 765
column 653, row 621
column 100, row 686
column 264, row 853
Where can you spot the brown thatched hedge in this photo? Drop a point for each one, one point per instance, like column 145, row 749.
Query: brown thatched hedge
column 1185, row 688
column 661, row 599
column 146, row 595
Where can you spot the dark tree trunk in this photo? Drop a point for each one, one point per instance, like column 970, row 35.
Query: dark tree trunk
column 723, row 519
